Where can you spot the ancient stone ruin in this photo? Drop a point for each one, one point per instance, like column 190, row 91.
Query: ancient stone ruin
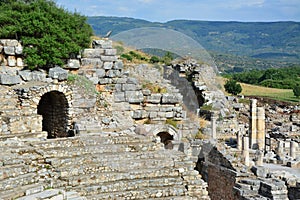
column 94, row 130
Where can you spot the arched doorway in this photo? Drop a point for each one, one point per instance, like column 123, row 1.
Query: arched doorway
column 54, row 107
column 166, row 138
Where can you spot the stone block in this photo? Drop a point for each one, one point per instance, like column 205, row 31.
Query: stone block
column 139, row 114
column 11, row 61
column 154, row 98
column 9, row 50
column 152, row 115
column 113, row 73
column 169, row 114
column 26, row 75
column 129, row 87
column 73, row 64
column 92, row 53
column 104, row 44
column 103, row 81
column 110, row 52
column 121, row 80
column 100, row 73
column 134, row 96
column 109, row 58
column 260, row 171
column 94, row 80
column 119, row 97
column 171, row 98
column 12, row 43
column 108, row 65
column 118, row 65
column 39, row 76
column 91, row 62
column 20, row 62
column 18, row 50
column 6, row 79
column 58, row 73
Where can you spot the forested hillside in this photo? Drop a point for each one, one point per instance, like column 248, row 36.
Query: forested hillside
column 234, row 45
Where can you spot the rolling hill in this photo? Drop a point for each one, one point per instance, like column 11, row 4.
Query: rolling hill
column 235, row 46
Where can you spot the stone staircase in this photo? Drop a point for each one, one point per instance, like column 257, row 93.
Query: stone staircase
column 97, row 166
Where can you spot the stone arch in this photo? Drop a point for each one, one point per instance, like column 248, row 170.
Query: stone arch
column 54, row 108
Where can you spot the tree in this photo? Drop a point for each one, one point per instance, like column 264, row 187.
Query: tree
column 49, row 34
column 296, row 91
column 232, row 87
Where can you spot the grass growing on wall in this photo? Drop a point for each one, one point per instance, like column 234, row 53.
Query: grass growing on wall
column 83, row 83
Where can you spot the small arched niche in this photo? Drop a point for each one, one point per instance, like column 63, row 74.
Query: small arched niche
column 166, row 139
column 54, row 107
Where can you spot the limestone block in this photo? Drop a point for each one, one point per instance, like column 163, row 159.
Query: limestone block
column 113, row 73
column 152, row 115
column 105, row 44
column 73, row 64
column 11, row 61
column 39, row 76
column 109, row 58
column 119, row 96
column 103, row 81
column 118, row 65
column 92, row 53
column 132, row 80
column 8, row 70
column 108, row 65
column 6, row 79
column 1, row 48
column 110, row 52
column 18, row 50
column 20, row 62
column 129, row 87
column 12, row 43
column 171, row 98
column 100, row 73
column 139, row 114
column 121, row 80
column 92, row 62
column 169, row 114
column 94, row 80
column 134, row 96
column 58, row 73
column 9, row 50
column 154, row 98
column 26, row 75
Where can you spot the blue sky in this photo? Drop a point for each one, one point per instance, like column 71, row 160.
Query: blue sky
column 213, row 10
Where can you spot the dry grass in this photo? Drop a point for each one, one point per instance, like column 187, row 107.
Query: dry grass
column 259, row 91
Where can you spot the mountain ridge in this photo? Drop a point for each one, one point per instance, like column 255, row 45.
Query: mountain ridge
column 273, row 43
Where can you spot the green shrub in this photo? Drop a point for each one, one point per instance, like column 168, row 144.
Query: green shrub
column 172, row 122
column 49, row 34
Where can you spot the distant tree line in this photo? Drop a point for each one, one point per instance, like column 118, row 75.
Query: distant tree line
column 282, row 78
column 49, row 34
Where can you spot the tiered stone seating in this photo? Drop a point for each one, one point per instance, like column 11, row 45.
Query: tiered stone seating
column 98, row 166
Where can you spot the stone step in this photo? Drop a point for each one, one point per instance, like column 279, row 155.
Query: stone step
column 56, row 152
column 102, row 177
column 164, row 193
column 104, row 158
column 12, row 171
column 91, row 140
column 25, row 136
column 52, row 194
column 130, row 185
column 20, row 180
column 20, row 191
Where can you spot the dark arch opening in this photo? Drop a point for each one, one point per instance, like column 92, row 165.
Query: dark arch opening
column 53, row 106
column 166, row 139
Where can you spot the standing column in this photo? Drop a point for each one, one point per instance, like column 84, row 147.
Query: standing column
column 280, row 148
column 213, row 125
column 239, row 139
column 252, row 124
column 293, row 149
column 246, row 150
column 260, row 131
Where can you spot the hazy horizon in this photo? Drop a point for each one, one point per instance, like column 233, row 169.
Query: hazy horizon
column 202, row 10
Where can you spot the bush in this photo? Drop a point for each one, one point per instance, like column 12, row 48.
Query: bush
column 296, row 91
column 232, row 87
column 49, row 34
